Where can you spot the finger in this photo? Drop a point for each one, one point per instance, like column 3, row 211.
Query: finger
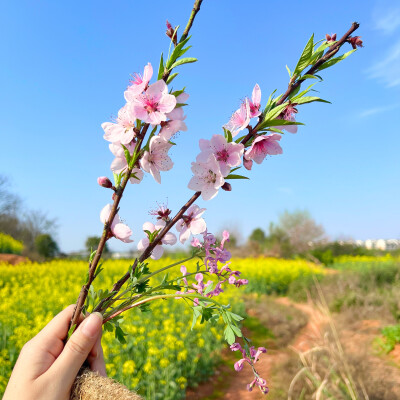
column 77, row 349
column 96, row 358
column 50, row 338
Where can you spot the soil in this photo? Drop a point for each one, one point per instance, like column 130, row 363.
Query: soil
column 12, row 259
column 357, row 340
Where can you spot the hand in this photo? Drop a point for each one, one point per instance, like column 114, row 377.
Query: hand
column 46, row 369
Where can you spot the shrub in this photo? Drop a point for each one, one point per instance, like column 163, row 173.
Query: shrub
column 9, row 245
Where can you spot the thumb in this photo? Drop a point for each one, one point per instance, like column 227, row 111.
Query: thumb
column 77, row 349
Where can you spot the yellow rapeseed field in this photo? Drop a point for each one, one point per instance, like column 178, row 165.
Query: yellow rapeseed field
column 162, row 355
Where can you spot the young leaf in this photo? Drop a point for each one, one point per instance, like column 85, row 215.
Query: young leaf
column 120, row 335
column 161, row 68
column 229, row 335
column 335, row 60
column 310, row 99
column 172, row 77
column 233, row 176
column 288, row 70
column 183, row 61
column 127, row 154
column 305, row 57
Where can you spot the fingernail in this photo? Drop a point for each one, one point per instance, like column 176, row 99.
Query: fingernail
column 92, row 324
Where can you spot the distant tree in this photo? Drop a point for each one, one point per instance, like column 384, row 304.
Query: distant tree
column 46, row 246
column 294, row 232
column 258, row 236
column 92, row 243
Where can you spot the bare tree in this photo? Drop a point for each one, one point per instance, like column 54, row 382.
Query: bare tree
column 296, row 230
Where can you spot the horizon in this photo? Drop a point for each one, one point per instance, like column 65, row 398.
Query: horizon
column 71, row 63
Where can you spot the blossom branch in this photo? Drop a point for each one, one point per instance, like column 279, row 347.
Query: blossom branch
column 117, row 198
column 311, row 71
column 146, row 254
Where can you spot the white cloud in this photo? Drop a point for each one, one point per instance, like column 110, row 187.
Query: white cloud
column 285, row 190
column 386, row 19
column 387, row 70
column 378, row 110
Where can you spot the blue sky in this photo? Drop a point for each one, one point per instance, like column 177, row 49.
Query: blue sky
column 65, row 66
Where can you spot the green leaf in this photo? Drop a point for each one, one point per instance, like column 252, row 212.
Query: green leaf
column 281, row 122
column 92, row 254
column 235, row 169
column 236, row 331
column 108, row 326
column 233, row 176
column 127, row 154
column 120, row 335
column 182, row 61
column 161, row 68
column 240, row 139
column 229, row 335
column 172, row 77
column 236, row 317
column 178, row 51
column 310, row 99
column 71, row 330
column 305, row 57
column 276, row 130
column 228, row 136
column 335, row 60
column 288, row 70
column 196, row 314
column 318, row 53
column 308, row 76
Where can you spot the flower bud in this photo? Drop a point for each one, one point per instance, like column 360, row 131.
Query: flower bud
column 247, row 164
column 227, row 187
column 355, row 41
column 104, row 182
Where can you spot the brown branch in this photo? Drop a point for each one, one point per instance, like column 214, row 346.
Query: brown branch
column 311, row 71
column 146, row 254
column 105, row 236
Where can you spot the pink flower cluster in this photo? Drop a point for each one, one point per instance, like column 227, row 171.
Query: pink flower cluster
column 217, row 157
column 151, row 104
column 213, row 164
column 251, row 360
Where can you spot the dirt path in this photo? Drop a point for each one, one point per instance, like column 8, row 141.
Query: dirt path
column 236, row 389
column 13, row 259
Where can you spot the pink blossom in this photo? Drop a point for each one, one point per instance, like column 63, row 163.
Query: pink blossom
column 200, row 286
column 195, row 242
column 288, row 115
column 119, row 164
column 139, row 83
column 191, row 223
column 240, row 119
column 255, row 102
column 207, row 178
column 158, row 250
column 157, row 159
column 184, row 273
column 171, row 127
column 217, row 290
column 227, row 154
column 123, row 130
column 162, row 212
column 262, row 146
column 118, row 229
column 153, row 105
column 177, row 112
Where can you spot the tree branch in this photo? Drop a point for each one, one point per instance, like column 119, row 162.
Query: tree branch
column 311, row 71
